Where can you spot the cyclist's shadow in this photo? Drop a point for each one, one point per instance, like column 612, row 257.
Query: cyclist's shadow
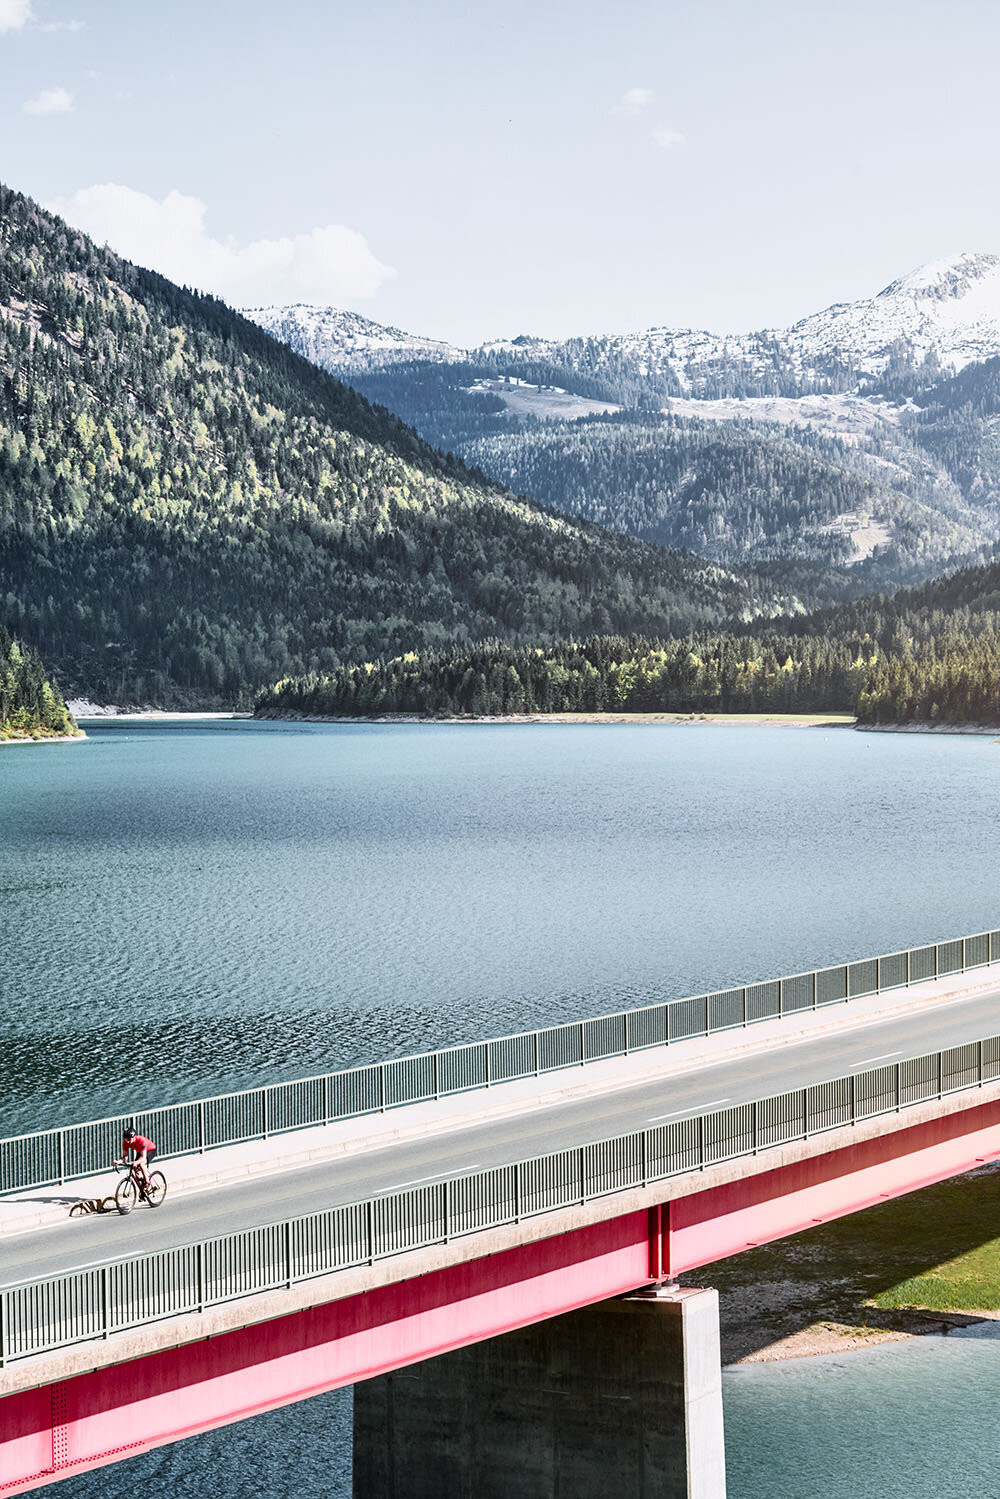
column 84, row 1208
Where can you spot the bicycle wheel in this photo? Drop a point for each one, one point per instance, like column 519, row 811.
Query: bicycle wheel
column 126, row 1195
column 157, row 1189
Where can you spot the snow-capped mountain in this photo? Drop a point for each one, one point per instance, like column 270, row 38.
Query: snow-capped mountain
column 949, row 308
column 830, row 443
column 346, row 340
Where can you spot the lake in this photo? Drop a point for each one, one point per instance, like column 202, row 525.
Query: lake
column 192, row 908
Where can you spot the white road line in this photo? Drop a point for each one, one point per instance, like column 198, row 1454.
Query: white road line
column 455, row 1171
column 691, row 1109
column 883, row 1058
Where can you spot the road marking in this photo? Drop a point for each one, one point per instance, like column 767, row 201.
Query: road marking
column 417, row 1180
column 883, row 1058
column 712, row 1103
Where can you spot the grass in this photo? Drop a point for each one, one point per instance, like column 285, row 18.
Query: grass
column 937, row 1250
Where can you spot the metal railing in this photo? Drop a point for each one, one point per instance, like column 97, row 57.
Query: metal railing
column 41, row 1315
column 47, row 1157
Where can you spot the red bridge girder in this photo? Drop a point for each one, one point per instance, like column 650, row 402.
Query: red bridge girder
column 77, row 1424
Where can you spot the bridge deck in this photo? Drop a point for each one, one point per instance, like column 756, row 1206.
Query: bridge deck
column 518, row 1121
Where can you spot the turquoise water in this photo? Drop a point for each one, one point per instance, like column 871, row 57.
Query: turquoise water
column 913, row 1420
column 186, row 910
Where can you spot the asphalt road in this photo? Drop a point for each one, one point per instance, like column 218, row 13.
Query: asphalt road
column 83, row 1243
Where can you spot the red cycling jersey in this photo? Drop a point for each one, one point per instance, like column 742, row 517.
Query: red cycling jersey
column 138, row 1143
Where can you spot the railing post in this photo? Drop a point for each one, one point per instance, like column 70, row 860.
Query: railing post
column 582, row 1154
column 534, row 1035
column 105, row 1319
column 907, row 968
column 583, row 1044
column 805, row 1113
column 488, row 1068
column 940, row 1091
column 201, row 1275
column 756, row 1125
column 854, row 1098
column 980, row 1064
column 62, row 1159
column 447, row 1210
column 963, row 954
column 899, row 1085
column 935, row 960
column 701, row 1141
column 201, row 1126
column 326, row 1098
column 643, row 1162
column 815, row 991
column 437, row 1076
column 288, row 1255
column 370, row 1230
column 381, row 1087
column 781, row 998
column 264, row 1093
column 878, row 975
column 517, row 1191
column 745, row 1020
column 3, row 1330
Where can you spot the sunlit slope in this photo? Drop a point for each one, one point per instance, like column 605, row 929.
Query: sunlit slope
column 188, row 509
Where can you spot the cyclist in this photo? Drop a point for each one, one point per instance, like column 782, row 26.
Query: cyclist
column 143, row 1150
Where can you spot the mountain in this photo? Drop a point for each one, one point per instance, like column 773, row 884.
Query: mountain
column 814, row 444
column 188, row 509
column 948, row 311
column 360, row 342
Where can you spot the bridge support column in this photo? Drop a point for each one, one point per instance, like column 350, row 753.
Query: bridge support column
column 622, row 1398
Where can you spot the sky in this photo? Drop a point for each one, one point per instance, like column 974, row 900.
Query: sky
column 472, row 171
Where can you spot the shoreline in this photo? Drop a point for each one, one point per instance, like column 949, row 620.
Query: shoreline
column 155, row 715
column 728, row 720
column 110, row 713
column 821, row 1339
column 77, row 738
column 930, row 728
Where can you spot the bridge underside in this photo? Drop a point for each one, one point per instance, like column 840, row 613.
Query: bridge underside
column 118, row 1411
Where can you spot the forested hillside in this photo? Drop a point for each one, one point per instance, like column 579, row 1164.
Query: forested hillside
column 188, row 509
column 926, row 655
column 747, row 490
column 31, row 705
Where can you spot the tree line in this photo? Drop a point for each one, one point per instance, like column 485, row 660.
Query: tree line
column 31, row 705
column 927, row 655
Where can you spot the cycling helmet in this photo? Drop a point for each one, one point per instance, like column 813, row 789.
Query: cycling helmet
column 129, row 1132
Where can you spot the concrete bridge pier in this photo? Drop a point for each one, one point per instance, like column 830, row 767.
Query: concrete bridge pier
column 623, row 1399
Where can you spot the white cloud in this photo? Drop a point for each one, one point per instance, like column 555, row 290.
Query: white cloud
column 14, row 14
column 633, row 100
column 328, row 264
column 51, row 101
column 62, row 26
column 666, row 138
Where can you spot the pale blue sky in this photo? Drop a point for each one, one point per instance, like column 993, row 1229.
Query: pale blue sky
column 482, row 152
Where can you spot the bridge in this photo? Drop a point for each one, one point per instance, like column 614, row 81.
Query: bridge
column 486, row 1239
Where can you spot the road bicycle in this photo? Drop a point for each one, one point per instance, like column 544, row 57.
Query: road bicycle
column 132, row 1189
